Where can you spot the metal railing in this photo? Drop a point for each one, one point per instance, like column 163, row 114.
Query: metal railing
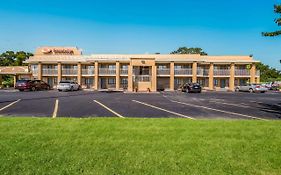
column 49, row 71
column 163, row 71
column 184, row 71
column 123, row 71
column 202, row 72
column 221, row 72
column 69, row 71
column 258, row 73
column 106, row 71
column 88, row 71
column 242, row 72
column 142, row 78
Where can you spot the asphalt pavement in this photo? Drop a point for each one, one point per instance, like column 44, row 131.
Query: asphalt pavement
column 81, row 104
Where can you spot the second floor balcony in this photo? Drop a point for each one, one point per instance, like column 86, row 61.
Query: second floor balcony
column 69, row 72
column 88, row 71
column 202, row 72
column 107, row 71
column 163, row 71
column 123, row 71
column 221, row 72
column 50, row 71
column 183, row 71
column 242, row 72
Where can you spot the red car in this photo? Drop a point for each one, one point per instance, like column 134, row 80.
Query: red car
column 32, row 85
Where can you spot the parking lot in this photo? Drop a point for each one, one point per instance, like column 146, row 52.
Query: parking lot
column 207, row 105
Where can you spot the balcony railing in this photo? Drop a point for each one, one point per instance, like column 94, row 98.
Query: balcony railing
column 221, row 72
column 69, row 71
column 163, row 71
column 88, row 71
column 258, row 73
column 142, row 78
column 202, row 72
column 242, row 72
column 123, row 71
column 106, row 71
column 34, row 71
column 49, row 71
column 184, row 71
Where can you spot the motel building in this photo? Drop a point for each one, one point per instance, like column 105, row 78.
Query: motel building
column 140, row 72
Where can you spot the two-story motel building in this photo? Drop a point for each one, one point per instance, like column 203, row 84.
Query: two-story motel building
column 144, row 72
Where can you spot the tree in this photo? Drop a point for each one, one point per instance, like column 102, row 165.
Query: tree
column 10, row 58
column 277, row 9
column 191, row 50
column 268, row 74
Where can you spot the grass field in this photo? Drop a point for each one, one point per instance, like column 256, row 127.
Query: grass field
column 139, row 146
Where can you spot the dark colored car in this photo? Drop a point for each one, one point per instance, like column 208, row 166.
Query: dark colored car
column 32, row 85
column 192, row 87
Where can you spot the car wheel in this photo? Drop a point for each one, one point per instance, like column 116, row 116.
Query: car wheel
column 21, row 90
column 71, row 89
column 33, row 89
column 237, row 90
column 251, row 90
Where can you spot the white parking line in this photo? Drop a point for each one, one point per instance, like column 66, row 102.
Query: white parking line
column 171, row 112
column 5, row 107
column 56, row 109
column 218, row 110
column 231, row 104
column 109, row 109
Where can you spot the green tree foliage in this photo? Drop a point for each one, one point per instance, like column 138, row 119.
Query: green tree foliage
column 277, row 9
column 268, row 74
column 11, row 58
column 191, row 50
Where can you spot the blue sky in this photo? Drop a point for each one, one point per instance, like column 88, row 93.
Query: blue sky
column 220, row 27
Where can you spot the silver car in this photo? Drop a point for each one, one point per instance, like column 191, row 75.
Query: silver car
column 68, row 86
column 251, row 88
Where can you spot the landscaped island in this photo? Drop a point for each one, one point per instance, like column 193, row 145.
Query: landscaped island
column 139, row 146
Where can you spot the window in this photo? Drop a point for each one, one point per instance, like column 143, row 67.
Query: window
column 111, row 80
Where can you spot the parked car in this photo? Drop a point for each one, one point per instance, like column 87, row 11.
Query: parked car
column 33, row 85
column 68, row 86
column 191, row 87
column 251, row 88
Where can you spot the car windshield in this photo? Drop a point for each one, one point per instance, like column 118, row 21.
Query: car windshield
column 23, row 81
column 65, row 82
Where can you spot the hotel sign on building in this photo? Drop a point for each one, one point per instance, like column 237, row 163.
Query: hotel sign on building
column 141, row 71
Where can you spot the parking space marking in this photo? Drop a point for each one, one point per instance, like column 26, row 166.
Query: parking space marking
column 161, row 109
column 231, row 104
column 109, row 109
column 218, row 110
column 56, row 109
column 5, row 107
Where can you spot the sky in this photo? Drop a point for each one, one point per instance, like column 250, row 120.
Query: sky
column 220, row 27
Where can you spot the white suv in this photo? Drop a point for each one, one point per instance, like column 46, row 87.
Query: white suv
column 68, row 86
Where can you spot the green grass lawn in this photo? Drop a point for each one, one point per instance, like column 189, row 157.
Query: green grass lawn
column 139, row 146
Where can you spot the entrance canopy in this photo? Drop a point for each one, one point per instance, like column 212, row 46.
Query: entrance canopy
column 14, row 70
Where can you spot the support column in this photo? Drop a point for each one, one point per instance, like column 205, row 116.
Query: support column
column 172, row 76
column 1, row 79
column 253, row 73
column 258, row 79
column 194, row 72
column 211, row 76
column 154, row 78
column 15, row 80
column 39, row 71
column 96, row 75
column 232, row 77
column 130, row 78
column 117, row 75
column 59, row 72
column 79, row 73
